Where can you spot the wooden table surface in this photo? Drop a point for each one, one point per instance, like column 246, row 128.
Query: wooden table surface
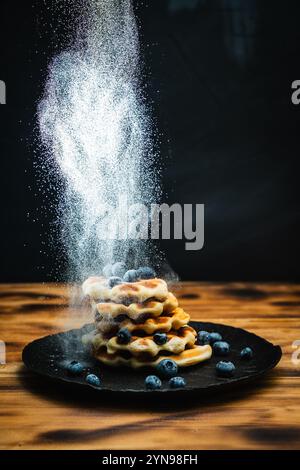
column 40, row 414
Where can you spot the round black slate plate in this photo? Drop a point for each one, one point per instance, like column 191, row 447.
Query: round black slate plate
column 49, row 356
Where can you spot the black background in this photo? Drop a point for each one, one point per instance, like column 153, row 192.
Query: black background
column 219, row 76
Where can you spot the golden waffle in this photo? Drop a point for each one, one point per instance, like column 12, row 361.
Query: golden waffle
column 177, row 319
column 150, row 308
column 188, row 357
column 176, row 343
column 94, row 286
column 97, row 288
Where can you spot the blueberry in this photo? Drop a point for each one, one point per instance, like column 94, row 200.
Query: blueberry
column 118, row 269
column 106, row 271
column 225, row 369
column 75, row 368
column 177, row 382
column 152, row 382
column 203, row 337
column 114, row 280
column 93, row 379
column 146, row 272
column 167, row 368
column 124, row 336
column 221, row 348
column 246, row 353
column 160, row 338
column 131, row 276
column 214, row 337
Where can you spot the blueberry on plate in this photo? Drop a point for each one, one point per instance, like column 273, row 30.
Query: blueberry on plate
column 246, row 353
column 107, row 270
column 167, row 368
column 221, row 348
column 177, row 382
column 75, row 368
column 124, row 336
column 160, row 338
column 93, row 379
column 203, row 337
column 118, row 269
column 145, row 272
column 214, row 337
column 225, row 369
column 152, row 382
column 131, row 276
column 114, row 281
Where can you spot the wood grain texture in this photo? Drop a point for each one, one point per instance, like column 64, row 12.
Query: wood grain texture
column 38, row 414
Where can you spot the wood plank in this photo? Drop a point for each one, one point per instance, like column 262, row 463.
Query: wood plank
column 37, row 414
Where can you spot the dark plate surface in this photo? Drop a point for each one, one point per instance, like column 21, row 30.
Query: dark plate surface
column 49, row 356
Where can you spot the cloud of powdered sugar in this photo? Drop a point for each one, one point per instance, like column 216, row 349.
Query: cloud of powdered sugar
column 97, row 136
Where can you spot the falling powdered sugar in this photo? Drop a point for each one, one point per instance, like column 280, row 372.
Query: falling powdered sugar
column 97, row 135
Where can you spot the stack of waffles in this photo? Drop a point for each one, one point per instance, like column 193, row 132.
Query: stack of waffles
column 141, row 309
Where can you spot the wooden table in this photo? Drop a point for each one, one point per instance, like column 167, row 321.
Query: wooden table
column 38, row 414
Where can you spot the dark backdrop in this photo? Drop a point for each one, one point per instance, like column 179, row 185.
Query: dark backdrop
column 219, row 76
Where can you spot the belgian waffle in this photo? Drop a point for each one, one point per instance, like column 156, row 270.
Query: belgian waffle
column 186, row 358
column 97, row 288
column 176, row 343
column 177, row 319
column 135, row 311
